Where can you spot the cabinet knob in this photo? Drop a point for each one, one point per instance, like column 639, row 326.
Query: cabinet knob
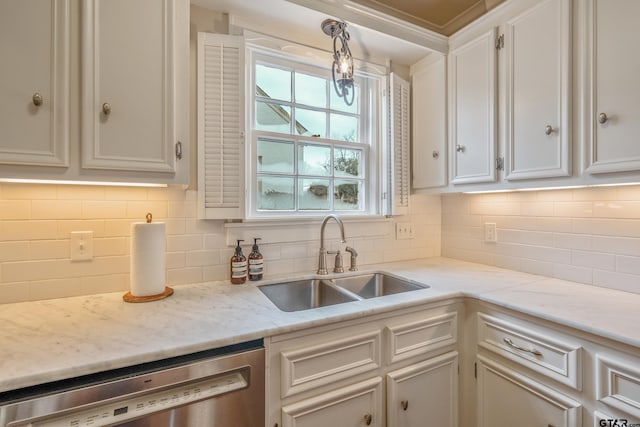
column 460, row 148
column 37, row 99
column 404, row 404
column 435, row 154
column 106, row 108
column 548, row 130
column 368, row 419
column 602, row 118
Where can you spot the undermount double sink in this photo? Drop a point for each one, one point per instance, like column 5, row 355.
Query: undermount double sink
column 305, row 294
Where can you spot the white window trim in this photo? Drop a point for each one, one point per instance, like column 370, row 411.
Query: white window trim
column 260, row 47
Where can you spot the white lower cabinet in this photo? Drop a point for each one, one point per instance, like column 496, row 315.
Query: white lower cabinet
column 508, row 398
column 424, row 394
column 398, row 369
column 449, row 364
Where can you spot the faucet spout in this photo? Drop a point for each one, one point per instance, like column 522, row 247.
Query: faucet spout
column 322, row 259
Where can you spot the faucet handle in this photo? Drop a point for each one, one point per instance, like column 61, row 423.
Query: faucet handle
column 338, row 268
column 354, row 255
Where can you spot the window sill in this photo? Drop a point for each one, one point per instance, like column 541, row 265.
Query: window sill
column 294, row 230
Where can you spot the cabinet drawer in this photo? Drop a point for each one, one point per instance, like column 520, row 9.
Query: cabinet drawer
column 618, row 383
column 417, row 337
column 309, row 367
column 541, row 350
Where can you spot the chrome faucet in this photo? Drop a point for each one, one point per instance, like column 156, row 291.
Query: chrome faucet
column 322, row 257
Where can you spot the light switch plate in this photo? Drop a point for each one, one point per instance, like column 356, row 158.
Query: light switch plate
column 81, row 245
column 490, row 233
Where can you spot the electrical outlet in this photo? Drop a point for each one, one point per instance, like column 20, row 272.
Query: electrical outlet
column 81, row 245
column 404, row 230
column 490, row 234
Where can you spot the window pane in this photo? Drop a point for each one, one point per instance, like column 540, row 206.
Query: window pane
column 311, row 90
column 275, row 193
column 347, row 162
column 314, row 160
column 339, row 104
column 313, row 194
column 273, row 117
column 275, row 156
column 347, row 195
column 273, row 83
column 343, row 128
column 311, row 123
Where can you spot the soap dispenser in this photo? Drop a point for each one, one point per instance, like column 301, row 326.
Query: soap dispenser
column 256, row 263
column 238, row 266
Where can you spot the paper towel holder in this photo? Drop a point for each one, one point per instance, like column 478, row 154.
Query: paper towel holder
column 129, row 297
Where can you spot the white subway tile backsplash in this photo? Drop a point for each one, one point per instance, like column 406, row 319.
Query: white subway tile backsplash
column 36, row 222
column 615, row 280
column 628, row 264
column 573, row 273
column 15, row 209
column 587, row 235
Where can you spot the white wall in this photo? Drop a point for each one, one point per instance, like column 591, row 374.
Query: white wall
column 589, row 235
column 36, row 221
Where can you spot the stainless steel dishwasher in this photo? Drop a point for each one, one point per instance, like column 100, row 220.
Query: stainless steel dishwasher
column 216, row 388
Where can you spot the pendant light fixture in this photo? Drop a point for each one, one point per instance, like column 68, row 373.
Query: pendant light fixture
column 342, row 67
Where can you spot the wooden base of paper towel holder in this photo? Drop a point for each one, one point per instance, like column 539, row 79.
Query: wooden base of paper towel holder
column 130, row 298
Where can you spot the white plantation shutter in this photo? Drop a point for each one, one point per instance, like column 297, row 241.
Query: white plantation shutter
column 400, row 127
column 220, row 126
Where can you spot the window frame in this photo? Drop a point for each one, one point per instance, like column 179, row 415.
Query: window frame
column 371, row 134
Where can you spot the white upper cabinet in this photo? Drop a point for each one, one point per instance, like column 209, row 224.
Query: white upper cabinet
column 130, row 75
column 34, row 82
column 134, row 106
column 612, row 114
column 429, row 119
column 472, row 110
column 537, row 97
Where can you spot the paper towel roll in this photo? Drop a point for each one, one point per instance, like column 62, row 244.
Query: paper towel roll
column 148, row 247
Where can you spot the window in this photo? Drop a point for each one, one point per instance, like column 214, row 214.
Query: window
column 310, row 153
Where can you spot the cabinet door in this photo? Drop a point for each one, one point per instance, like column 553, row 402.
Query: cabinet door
column 133, row 64
column 34, row 82
column 507, row 398
column 353, row 406
column 538, row 91
column 424, row 394
column 472, row 96
column 613, row 113
column 429, row 118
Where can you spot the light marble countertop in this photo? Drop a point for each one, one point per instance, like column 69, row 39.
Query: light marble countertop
column 49, row 340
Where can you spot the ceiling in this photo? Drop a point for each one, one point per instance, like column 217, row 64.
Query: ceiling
column 442, row 16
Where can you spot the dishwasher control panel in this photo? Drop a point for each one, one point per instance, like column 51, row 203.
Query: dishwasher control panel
column 139, row 405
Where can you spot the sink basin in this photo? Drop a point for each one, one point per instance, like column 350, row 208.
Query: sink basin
column 376, row 285
column 304, row 294
column 312, row 293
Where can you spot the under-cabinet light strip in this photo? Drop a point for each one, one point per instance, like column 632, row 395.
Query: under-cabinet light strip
column 69, row 182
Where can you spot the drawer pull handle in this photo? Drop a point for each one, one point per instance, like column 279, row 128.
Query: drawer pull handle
column 367, row 419
column 404, row 404
column 517, row 347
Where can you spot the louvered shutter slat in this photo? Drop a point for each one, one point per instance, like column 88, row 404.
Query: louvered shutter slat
column 399, row 172
column 220, row 126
